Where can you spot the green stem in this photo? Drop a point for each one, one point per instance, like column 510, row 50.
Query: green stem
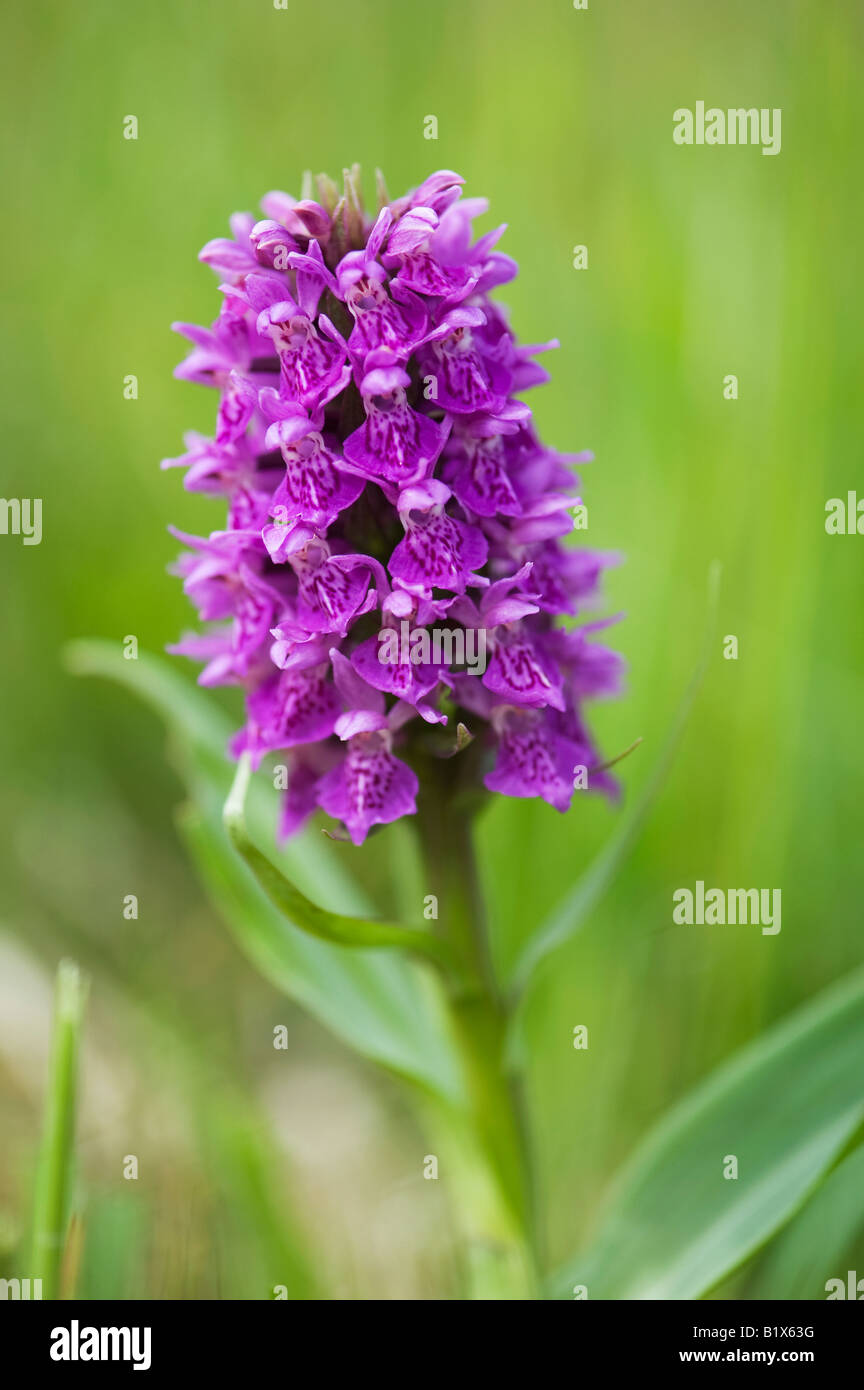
column 51, row 1192
column 494, row 1171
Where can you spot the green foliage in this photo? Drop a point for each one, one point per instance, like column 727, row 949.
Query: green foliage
column 783, row 1110
column 54, row 1169
column 379, row 1003
column 821, row 1242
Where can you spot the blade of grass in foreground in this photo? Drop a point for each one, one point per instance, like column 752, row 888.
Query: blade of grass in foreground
column 54, row 1166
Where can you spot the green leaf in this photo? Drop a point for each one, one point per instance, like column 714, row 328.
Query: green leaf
column 198, row 739
column 327, row 926
column 785, row 1107
column 379, row 1003
column 812, row 1248
column 573, row 911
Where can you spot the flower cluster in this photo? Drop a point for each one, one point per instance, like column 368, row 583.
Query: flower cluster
column 379, row 469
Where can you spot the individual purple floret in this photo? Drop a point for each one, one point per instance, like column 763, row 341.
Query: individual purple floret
column 391, row 565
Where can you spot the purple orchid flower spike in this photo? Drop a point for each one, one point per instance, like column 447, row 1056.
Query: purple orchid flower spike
column 395, row 585
column 390, row 510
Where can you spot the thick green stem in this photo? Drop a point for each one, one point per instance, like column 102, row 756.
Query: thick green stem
column 495, row 1197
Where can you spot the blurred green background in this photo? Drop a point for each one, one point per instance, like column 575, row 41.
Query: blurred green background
column 702, row 262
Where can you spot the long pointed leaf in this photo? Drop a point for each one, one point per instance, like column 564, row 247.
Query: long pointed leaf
column 812, row 1248
column 784, row 1107
column 378, row 1002
column 199, row 734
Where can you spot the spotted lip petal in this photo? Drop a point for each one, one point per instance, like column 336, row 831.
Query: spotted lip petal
column 316, row 486
column 311, row 363
column 291, row 708
column 406, row 679
column 372, row 454
column 465, row 379
column 395, row 444
column 329, row 596
column 370, row 787
column 521, row 674
column 386, row 316
column 438, row 552
column 476, row 471
column 534, row 760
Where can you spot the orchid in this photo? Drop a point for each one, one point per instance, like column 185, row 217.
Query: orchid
column 393, row 590
column 377, row 465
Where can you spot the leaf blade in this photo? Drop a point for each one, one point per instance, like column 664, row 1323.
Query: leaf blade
column 378, row 1003
column 810, row 1250
column 785, row 1106
column 373, row 1003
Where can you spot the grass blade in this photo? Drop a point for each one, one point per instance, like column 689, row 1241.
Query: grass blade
column 54, row 1166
